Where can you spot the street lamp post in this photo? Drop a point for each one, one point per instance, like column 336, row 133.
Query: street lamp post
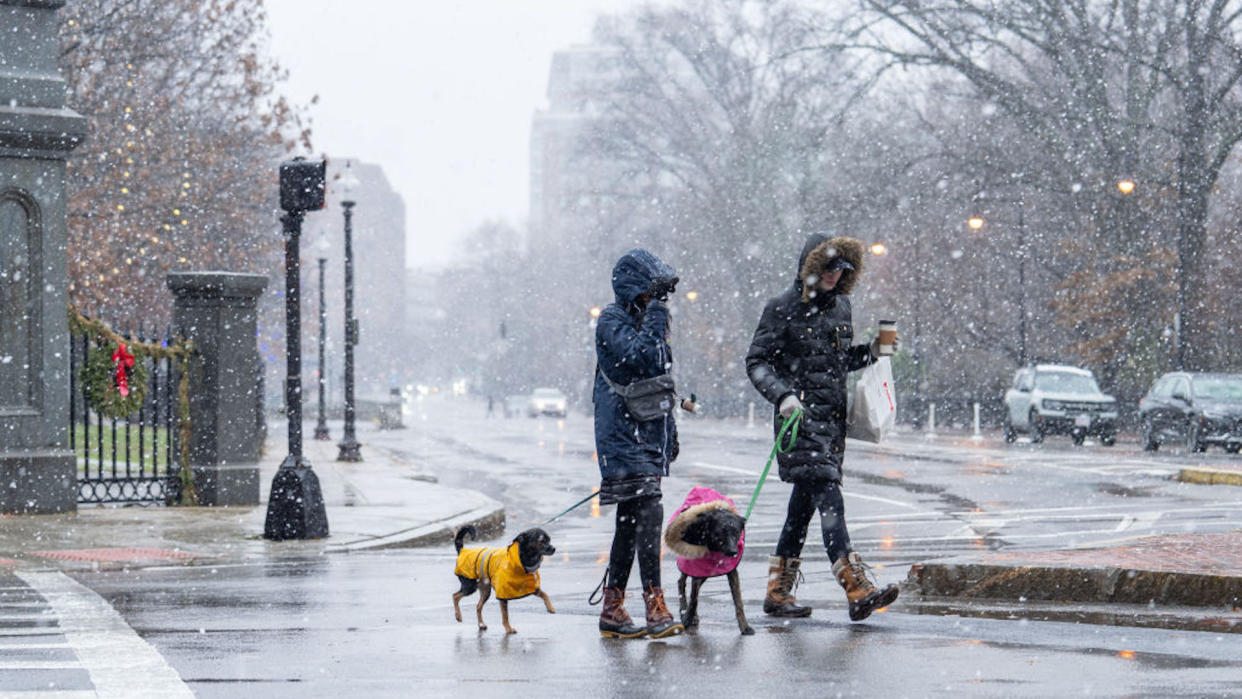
column 976, row 222
column 321, row 428
column 350, row 449
column 295, row 507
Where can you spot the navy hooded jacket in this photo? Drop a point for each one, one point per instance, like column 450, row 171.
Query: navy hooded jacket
column 632, row 344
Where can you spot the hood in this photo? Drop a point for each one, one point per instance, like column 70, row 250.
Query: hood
column 633, row 273
column 700, row 499
column 1219, row 406
column 818, row 251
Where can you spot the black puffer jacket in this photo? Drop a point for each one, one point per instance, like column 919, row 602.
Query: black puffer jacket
column 803, row 346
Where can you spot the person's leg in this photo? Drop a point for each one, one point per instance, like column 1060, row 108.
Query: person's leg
column 832, row 520
column 624, row 541
column 797, row 519
column 847, row 566
column 783, row 566
column 614, row 621
column 649, row 517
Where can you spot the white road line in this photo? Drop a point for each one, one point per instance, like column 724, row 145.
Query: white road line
column 119, row 662
column 887, row 501
column 730, row 469
column 37, row 665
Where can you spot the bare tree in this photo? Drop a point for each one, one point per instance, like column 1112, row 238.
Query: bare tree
column 1114, row 89
column 185, row 127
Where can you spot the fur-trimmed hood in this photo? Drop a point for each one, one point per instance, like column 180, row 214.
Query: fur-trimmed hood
column 693, row 559
column 818, row 252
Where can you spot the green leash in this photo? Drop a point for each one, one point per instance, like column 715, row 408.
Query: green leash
column 571, row 508
column 791, row 426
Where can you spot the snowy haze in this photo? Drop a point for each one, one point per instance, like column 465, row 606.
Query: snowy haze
column 438, row 94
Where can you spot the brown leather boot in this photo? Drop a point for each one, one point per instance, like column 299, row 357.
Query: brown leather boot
column 660, row 621
column 855, row 577
column 614, row 621
column 782, row 578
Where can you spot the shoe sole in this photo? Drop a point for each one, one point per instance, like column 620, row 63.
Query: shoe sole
column 618, row 634
column 674, row 630
column 788, row 615
column 864, row 609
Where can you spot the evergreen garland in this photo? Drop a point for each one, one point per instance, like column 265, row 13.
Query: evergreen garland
column 98, row 372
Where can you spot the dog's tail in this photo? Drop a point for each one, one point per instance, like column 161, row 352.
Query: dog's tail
column 461, row 536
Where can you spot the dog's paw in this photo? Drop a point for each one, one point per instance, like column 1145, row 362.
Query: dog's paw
column 482, row 627
column 748, row 631
column 510, row 630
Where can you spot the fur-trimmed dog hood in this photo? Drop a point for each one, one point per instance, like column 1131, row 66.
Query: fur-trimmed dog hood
column 692, row 559
column 818, row 252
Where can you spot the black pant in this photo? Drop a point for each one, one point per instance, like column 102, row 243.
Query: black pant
column 638, row 530
column 824, row 496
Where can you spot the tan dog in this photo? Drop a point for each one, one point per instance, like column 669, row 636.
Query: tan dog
column 513, row 571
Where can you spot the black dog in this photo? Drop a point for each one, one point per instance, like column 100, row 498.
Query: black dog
column 707, row 535
column 513, row 571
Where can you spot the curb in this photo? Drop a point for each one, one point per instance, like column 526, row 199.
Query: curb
column 1138, row 616
column 967, row 581
column 487, row 520
column 1210, row 476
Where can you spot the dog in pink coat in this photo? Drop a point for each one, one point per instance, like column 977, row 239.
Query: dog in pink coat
column 708, row 536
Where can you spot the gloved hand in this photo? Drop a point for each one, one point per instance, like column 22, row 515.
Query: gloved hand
column 789, row 404
column 661, row 287
column 875, row 348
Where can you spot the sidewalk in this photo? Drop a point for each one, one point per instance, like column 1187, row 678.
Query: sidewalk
column 1170, row 581
column 382, row 502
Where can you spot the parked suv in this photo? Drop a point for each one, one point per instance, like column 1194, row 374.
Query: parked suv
column 1197, row 410
column 1057, row 399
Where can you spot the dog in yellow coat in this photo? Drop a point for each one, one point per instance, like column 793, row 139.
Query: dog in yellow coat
column 512, row 571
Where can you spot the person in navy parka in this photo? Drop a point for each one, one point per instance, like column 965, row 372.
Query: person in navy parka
column 631, row 343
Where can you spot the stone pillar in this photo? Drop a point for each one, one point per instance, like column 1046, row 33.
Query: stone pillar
column 38, row 471
column 216, row 310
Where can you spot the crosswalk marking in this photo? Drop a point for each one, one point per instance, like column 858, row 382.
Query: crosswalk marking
column 117, row 661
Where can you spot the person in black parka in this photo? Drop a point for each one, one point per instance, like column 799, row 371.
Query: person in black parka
column 631, row 343
column 798, row 359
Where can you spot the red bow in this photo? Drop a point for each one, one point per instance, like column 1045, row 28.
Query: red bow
column 124, row 362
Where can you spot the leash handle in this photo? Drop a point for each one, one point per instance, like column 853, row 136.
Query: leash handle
column 791, row 427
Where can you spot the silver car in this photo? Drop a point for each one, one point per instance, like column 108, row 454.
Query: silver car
column 1059, row 399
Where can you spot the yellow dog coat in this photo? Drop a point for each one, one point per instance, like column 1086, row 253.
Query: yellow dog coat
column 501, row 567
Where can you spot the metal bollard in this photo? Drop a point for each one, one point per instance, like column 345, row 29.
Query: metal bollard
column 750, row 415
column 931, row 420
column 978, row 435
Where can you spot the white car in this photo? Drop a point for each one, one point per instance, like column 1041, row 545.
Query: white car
column 547, row 401
column 1059, row 399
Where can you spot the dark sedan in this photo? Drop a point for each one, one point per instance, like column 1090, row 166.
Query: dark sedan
column 1196, row 410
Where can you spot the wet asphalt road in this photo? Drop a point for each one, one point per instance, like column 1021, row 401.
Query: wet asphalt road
column 381, row 624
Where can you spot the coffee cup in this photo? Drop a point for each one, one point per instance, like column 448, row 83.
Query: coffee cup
column 888, row 337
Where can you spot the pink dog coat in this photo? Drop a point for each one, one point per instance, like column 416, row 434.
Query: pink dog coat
column 692, row 559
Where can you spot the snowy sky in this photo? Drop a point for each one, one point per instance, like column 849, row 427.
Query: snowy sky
column 438, row 92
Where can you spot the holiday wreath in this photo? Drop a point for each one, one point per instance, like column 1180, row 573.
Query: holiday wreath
column 115, row 375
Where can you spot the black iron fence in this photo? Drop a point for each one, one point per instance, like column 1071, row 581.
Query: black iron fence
column 133, row 457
